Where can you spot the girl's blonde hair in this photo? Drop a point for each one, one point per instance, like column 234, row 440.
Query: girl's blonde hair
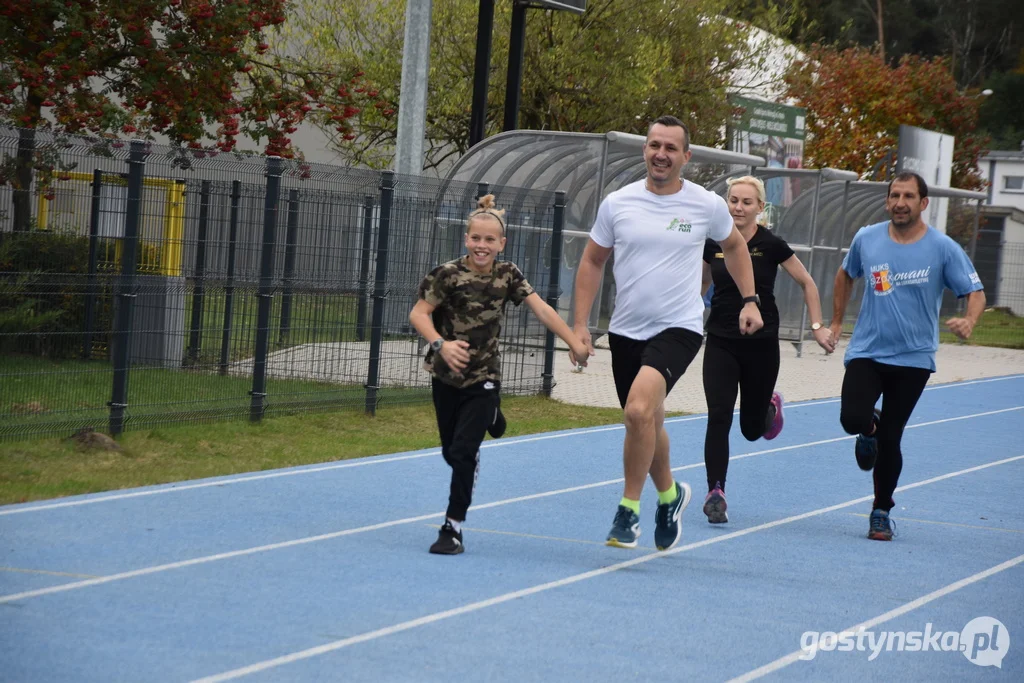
column 749, row 180
column 485, row 206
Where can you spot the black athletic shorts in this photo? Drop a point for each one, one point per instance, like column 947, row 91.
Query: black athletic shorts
column 669, row 352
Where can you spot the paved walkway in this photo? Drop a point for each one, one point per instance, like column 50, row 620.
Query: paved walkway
column 814, row 375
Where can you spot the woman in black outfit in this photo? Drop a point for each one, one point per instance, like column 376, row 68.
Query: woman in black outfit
column 747, row 363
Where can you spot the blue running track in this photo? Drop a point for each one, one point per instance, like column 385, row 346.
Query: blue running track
column 321, row 573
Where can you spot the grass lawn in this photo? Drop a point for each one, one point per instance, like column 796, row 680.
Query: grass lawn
column 49, row 468
column 997, row 327
column 38, row 394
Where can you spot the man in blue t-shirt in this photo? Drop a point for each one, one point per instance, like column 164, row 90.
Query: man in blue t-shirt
column 906, row 265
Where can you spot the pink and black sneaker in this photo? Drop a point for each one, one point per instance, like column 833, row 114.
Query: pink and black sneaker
column 715, row 505
column 777, row 421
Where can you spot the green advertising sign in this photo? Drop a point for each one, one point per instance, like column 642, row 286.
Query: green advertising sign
column 768, row 118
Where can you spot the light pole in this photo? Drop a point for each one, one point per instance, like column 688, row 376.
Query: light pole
column 517, row 40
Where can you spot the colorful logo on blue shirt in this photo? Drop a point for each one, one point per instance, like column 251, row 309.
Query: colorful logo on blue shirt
column 883, row 279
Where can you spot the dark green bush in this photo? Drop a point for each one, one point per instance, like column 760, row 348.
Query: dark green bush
column 43, row 288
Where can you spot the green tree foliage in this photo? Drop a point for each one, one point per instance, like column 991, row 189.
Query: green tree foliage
column 615, row 67
column 979, row 37
column 1002, row 113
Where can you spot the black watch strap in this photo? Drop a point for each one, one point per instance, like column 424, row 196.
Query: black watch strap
column 752, row 299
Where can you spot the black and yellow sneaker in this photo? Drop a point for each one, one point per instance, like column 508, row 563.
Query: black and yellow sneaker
column 625, row 529
column 667, row 526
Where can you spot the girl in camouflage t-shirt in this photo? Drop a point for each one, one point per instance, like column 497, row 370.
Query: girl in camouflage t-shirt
column 459, row 311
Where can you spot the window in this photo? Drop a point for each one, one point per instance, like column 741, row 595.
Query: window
column 1013, row 183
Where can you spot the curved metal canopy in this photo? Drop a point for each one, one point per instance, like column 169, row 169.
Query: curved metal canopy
column 586, row 166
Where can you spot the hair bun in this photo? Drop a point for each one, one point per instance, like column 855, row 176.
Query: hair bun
column 486, row 202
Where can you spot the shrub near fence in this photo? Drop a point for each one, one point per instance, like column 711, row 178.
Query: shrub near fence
column 236, row 287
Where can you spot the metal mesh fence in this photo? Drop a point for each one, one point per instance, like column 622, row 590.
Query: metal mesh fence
column 226, row 285
column 234, row 286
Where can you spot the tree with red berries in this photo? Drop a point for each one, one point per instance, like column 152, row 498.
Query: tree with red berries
column 195, row 71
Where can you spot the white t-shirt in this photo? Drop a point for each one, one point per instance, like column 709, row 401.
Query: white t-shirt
column 658, row 243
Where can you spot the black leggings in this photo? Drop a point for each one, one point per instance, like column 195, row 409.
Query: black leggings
column 463, row 416
column 749, row 366
column 900, row 387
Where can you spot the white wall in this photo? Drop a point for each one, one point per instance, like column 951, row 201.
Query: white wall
column 1003, row 167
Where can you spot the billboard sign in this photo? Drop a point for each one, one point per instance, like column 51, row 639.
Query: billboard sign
column 930, row 155
column 775, row 132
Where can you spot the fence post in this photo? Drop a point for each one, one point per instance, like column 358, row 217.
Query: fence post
column 810, row 266
column 90, row 286
column 972, row 248
column 553, row 290
column 289, row 266
column 364, row 267
column 126, row 285
column 229, row 286
column 198, row 288
column 275, row 167
column 387, row 184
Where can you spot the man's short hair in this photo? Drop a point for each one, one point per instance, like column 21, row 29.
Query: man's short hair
column 669, row 120
column 906, row 176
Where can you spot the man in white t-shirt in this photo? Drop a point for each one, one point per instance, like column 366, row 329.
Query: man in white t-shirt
column 657, row 228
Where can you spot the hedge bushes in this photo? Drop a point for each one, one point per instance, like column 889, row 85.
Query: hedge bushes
column 44, row 285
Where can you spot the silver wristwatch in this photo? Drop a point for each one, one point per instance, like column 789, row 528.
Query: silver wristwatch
column 436, row 345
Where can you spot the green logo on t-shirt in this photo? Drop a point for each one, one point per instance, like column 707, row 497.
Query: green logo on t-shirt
column 678, row 226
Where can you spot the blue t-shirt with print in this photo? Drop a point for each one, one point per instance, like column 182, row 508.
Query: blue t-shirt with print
column 899, row 314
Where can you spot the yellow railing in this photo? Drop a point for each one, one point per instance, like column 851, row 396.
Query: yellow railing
column 73, row 197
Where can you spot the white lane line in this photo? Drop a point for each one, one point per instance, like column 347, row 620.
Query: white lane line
column 371, row 460
column 408, row 520
column 783, row 662
column 936, row 522
column 569, row 580
column 44, row 572
column 931, row 387
column 363, row 462
column 519, row 534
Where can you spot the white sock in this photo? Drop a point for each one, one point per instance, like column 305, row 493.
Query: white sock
column 455, row 525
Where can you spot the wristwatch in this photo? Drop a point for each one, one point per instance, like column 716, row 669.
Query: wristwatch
column 752, row 299
column 816, row 326
column 436, row 345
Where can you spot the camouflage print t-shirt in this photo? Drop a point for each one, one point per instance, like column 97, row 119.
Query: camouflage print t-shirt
column 469, row 306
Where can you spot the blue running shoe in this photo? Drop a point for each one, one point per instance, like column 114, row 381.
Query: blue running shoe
column 880, row 526
column 667, row 527
column 625, row 529
column 866, row 448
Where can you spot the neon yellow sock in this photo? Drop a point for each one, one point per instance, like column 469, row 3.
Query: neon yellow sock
column 633, row 505
column 668, row 496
